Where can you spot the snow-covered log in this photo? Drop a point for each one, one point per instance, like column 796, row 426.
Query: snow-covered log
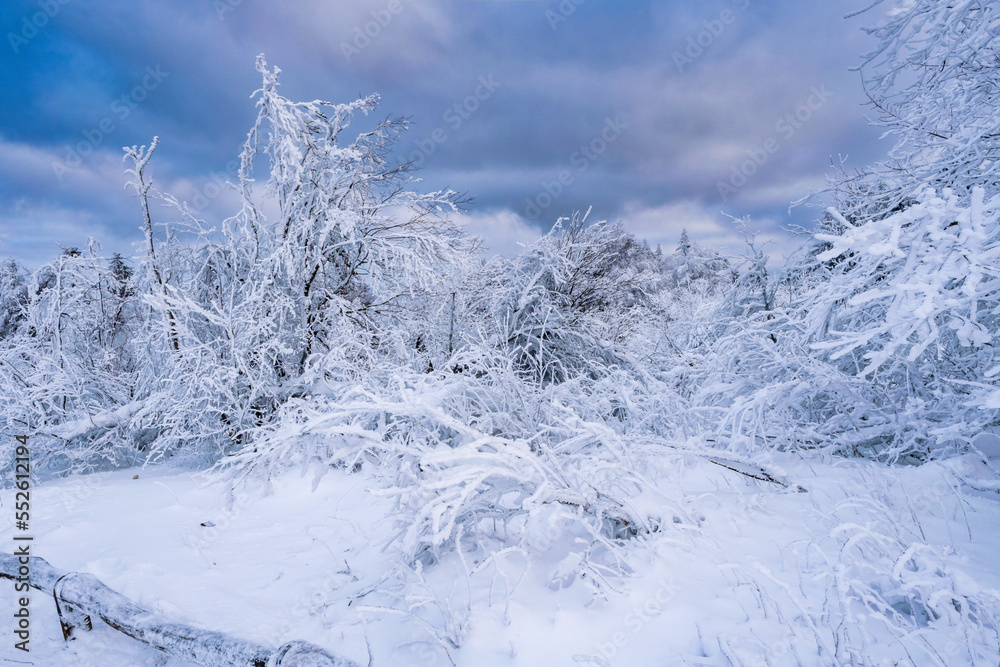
column 106, row 419
column 80, row 596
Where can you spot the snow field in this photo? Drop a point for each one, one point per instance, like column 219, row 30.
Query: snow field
column 871, row 565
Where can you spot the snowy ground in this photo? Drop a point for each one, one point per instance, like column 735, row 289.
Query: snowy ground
column 745, row 572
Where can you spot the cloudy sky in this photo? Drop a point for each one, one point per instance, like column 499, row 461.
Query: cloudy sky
column 663, row 115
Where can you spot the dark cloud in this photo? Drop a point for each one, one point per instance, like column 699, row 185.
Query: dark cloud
column 701, row 87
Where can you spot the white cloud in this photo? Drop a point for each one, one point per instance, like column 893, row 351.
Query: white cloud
column 503, row 231
column 66, row 205
column 713, row 229
column 784, row 192
column 51, row 226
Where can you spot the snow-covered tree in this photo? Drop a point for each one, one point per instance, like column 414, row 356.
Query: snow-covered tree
column 684, row 245
column 352, row 237
column 71, row 371
column 886, row 344
column 560, row 306
column 916, row 310
column 13, row 297
column 695, row 268
column 259, row 309
column 934, row 79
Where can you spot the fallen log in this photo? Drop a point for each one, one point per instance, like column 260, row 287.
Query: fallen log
column 80, row 596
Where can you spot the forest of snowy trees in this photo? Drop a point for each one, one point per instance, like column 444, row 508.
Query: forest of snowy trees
column 359, row 328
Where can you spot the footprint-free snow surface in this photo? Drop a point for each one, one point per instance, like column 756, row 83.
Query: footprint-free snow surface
column 865, row 564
